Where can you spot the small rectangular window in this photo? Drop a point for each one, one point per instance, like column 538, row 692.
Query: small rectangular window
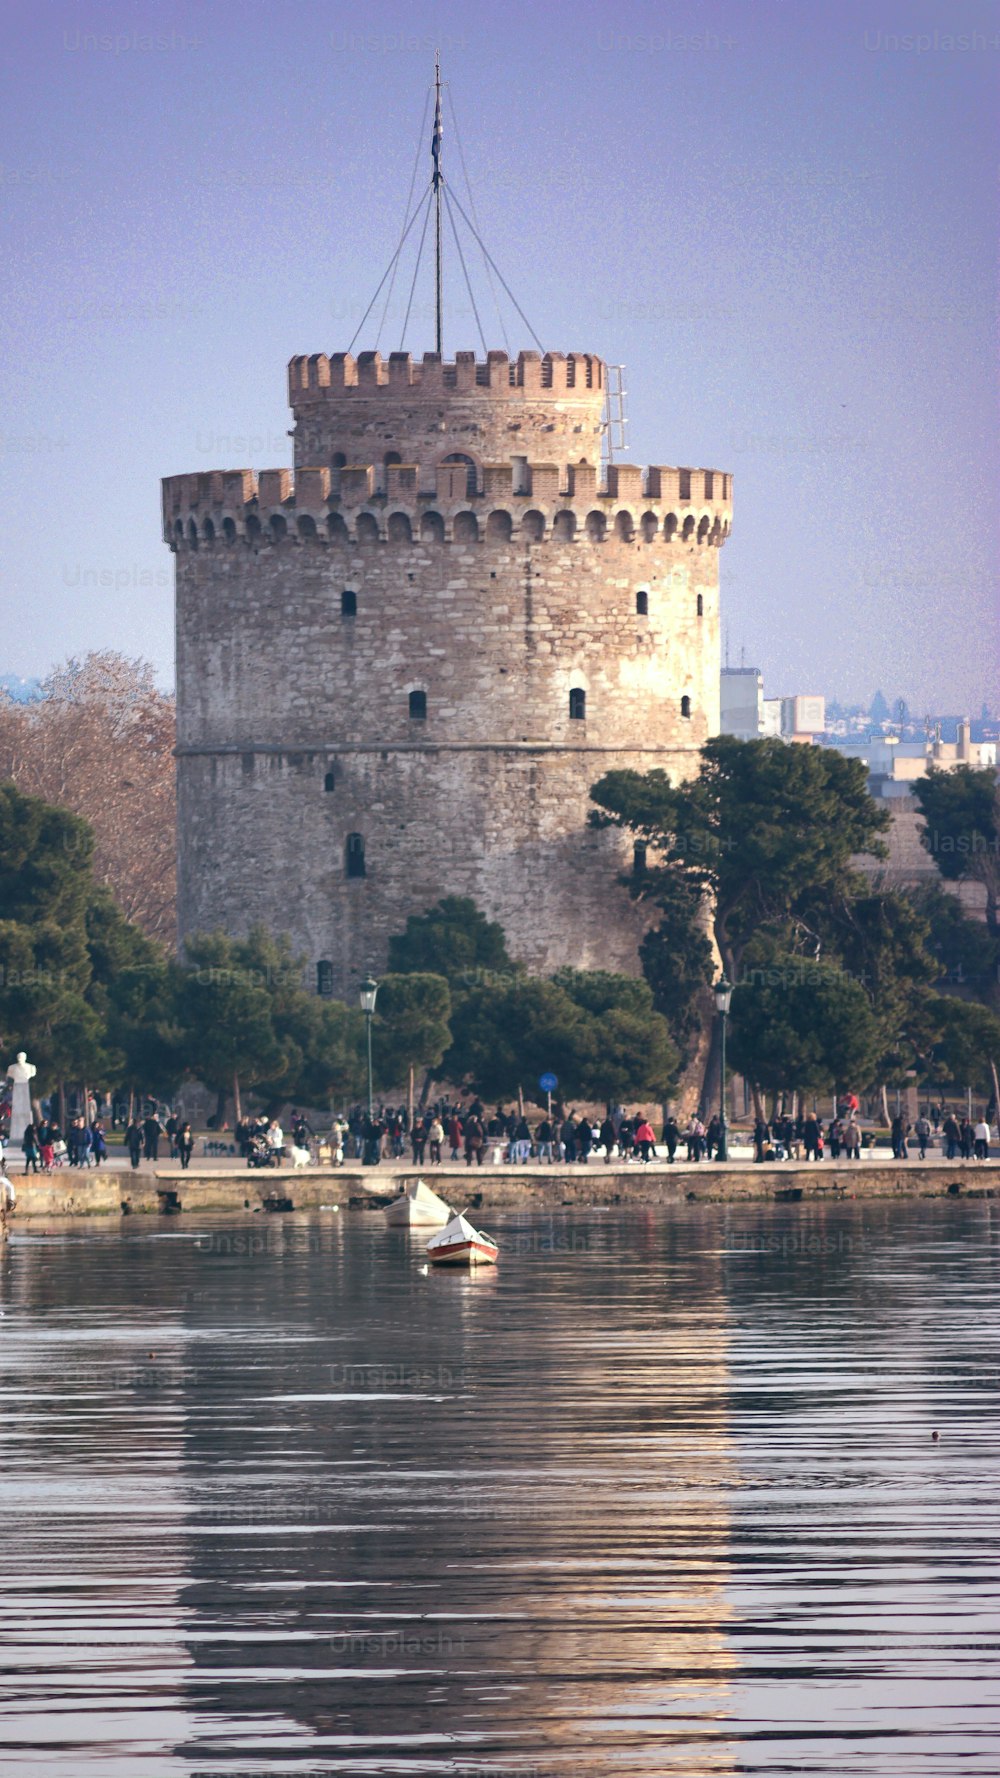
column 578, row 705
column 418, row 706
column 348, row 604
column 324, row 980
column 355, row 855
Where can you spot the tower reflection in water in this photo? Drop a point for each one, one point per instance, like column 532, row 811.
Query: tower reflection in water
column 480, row 1521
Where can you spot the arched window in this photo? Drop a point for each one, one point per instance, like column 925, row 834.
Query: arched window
column 279, row 526
column 253, row 527
column 355, row 855
column 685, row 705
column 650, row 526
column 533, row 526
column 596, row 527
column 688, row 531
column 208, row 531
column 642, row 603
column 229, row 530
column 329, row 781
column 336, row 528
column 399, row 530
column 498, row 527
column 624, row 528
column 471, row 472
column 390, row 458
column 701, row 606
column 465, row 528
column 638, row 858
column 366, row 528
column 564, row 526
column 703, row 528
column 418, row 706
column 670, row 526
column 307, row 525
column 578, row 704
column 192, row 534
column 432, row 528
column 348, row 604
column 324, row 980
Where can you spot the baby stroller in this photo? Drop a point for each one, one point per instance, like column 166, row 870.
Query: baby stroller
column 260, row 1153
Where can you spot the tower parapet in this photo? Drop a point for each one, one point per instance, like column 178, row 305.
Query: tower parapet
column 319, row 505
column 546, row 406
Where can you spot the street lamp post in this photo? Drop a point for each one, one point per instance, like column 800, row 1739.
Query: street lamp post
column 369, row 989
column 723, row 992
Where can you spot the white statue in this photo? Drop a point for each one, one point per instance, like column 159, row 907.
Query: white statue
column 20, row 1073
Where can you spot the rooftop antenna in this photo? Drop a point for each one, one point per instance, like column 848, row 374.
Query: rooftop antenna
column 436, row 182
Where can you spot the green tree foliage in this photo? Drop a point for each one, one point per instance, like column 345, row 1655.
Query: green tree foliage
column 966, row 1045
column 226, row 1018
column 799, row 1023
column 965, row 953
column 763, row 829
column 961, row 831
column 454, row 939
column 597, row 1032
column 411, row 1028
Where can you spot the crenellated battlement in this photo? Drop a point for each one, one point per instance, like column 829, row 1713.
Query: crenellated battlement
column 580, row 375
column 638, row 506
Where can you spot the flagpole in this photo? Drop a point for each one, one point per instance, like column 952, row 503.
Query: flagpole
column 436, row 181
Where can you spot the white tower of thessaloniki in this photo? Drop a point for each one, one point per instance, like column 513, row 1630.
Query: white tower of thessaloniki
column 402, row 665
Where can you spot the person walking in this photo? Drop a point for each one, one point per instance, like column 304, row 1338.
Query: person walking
column 966, row 1139
column 981, row 1140
column 521, row 1144
column 456, row 1135
column 152, row 1130
column 30, row 1149
column 811, row 1137
column 952, row 1136
column 435, row 1139
column 475, row 1136
column 544, row 1137
column 671, row 1137
column 899, row 1132
column 185, row 1145
column 922, row 1131
column 852, row 1138
column 645, row 1141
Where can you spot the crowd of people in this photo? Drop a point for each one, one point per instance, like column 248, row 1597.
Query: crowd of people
column 450, row 1132
column 45, row 1147
column 447, row 1131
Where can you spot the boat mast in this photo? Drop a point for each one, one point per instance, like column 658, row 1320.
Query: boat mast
column 436, row 181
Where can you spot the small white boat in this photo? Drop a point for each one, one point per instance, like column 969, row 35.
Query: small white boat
column 461, row 1245
column 418, row 1207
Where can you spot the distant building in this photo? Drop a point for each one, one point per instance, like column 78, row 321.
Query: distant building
column 741, row 702
column 803, row 717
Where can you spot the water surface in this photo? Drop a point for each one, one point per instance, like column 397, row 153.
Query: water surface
column 659, row 1495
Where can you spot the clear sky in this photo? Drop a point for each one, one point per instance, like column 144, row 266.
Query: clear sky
column 781, row 217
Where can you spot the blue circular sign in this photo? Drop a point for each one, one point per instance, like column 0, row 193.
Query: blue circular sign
column 548, row 1083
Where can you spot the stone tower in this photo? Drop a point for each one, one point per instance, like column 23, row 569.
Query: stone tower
column 401, row 666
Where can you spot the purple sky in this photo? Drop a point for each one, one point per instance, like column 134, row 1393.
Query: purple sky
column 785, row 231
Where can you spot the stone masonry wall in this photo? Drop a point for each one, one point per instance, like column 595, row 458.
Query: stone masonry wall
column 307, row 615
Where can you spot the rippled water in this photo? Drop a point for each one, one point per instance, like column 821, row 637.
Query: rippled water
column 659, row 1495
